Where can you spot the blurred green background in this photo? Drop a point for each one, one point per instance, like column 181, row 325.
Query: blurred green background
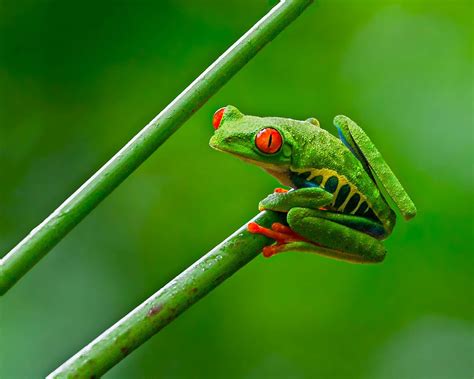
column 79, row 79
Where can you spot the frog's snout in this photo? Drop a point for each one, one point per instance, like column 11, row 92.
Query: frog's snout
column 213, row 141
column 224, row 142
column 219, row 142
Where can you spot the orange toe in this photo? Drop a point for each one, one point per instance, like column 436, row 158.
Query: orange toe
column 279, row 227
column 253, row 227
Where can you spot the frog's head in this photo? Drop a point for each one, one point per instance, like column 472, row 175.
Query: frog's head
column 263, row 141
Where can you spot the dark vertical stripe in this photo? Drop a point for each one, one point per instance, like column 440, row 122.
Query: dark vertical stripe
column 317, row 180
column 362, row 209
column 352, row 203
column 342, row 195
column 331, row 184
column 370, row 214
column 300, row 180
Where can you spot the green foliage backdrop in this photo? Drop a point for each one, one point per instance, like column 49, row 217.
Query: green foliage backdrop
column 79, row 79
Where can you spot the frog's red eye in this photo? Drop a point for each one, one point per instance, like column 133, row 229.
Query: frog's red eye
column 268, row 140
column 216, row 119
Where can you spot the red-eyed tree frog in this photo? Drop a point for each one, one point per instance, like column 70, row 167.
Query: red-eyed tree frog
column 335, row 206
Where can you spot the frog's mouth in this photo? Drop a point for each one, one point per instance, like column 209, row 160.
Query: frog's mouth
column 280, row 172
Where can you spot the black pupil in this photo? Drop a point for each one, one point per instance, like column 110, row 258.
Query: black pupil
column 270, row 140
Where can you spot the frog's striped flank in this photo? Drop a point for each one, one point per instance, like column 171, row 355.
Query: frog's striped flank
column 347, row 197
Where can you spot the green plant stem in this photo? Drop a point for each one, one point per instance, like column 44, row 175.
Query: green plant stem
column 46, row 235
column 168, row 303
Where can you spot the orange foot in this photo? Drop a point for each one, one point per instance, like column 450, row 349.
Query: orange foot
column 280, row 190
column 282, row 234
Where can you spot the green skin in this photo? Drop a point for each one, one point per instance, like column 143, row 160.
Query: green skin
column 335, row 207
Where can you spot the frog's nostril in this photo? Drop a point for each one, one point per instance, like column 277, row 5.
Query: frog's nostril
column 229, row 139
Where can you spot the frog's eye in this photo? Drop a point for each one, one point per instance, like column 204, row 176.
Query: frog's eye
column 216, row 119
column 268, row 141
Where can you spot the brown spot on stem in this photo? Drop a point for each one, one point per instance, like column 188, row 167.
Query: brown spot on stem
column 155, row 310
column 125, row 350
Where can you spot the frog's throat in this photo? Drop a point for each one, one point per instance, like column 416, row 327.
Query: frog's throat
column 280, row 172
column 282, row 176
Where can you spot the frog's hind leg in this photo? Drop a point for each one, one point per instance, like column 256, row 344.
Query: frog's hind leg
column 346, row 237
column 362, row 224
column 330, row 238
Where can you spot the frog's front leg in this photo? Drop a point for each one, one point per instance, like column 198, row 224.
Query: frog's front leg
column 282, row 201
column 311, row 197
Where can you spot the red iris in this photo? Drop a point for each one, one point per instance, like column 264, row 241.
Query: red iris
column 216, row 119
column 268, row 140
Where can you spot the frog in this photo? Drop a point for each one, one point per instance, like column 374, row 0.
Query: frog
column 337, row 187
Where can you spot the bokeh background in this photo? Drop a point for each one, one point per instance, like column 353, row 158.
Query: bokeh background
column 79, row 79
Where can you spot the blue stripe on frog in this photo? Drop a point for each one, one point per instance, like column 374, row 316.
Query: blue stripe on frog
column 301, row 180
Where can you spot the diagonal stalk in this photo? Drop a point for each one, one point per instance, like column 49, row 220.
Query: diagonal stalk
column 46, row 235
column 168, row 303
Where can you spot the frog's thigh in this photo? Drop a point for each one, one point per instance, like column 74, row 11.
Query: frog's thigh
column 338, row 241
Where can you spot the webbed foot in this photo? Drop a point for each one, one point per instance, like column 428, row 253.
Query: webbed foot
column 282, row 234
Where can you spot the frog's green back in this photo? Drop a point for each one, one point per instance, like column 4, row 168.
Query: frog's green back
column 321, row 159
